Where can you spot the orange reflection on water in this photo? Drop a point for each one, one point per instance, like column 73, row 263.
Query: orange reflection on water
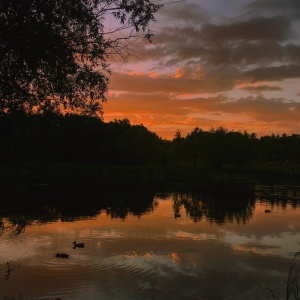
column 175, row 257
column 151, row 255
column 253, row 249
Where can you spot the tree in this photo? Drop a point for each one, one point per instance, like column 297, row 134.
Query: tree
column 53, row 53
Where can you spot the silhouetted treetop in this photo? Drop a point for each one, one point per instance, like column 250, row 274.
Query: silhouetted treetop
column 53, row 53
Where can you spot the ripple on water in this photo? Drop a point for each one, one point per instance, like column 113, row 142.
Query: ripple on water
column 12, row 251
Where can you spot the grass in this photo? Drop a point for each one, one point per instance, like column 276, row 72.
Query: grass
column 293, row 283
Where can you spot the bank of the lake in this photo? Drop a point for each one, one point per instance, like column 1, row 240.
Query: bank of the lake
column 75, row 173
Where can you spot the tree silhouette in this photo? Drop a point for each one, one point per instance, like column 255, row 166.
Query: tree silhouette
column 53, row 54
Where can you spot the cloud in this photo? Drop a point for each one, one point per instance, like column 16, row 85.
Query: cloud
column 288, row 8
column 164, row 113
column 184, row 13
column 204, row 51
column 144, row 83
column 250, row 47
column 248, row 30
column 259, row 88
column 274, row 73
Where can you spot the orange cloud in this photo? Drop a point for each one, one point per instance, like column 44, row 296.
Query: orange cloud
column 258, row 87
column 143, row 83
column 179, row 73
column 187, row 84
column 164, row 113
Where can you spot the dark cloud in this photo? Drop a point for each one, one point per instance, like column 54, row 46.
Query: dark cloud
column 288, row 8
column 184, row 12
column 273, row 73
column 253, row 29
column 256, row 42
column 225, row 41
column 264, row 52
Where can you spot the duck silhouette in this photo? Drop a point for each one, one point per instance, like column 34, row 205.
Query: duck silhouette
column 78, row 245
column 62, row 255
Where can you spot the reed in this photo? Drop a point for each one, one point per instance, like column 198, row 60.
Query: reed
column 293, row 282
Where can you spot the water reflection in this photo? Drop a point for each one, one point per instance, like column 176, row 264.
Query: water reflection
column 219, row 204
column 43, row 204
column 279, row 195
column 47, row 204
column 293, row 282
column 16, row 225
column 141, row 244
column 8, row 271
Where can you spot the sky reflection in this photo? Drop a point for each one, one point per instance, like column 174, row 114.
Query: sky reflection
column 154, row 255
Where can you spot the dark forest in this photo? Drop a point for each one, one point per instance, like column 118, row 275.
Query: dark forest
column 35, row 144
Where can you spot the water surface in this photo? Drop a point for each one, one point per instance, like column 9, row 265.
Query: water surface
column 150, row 245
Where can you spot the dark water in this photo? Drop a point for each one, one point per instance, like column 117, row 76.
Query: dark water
column 218, row 242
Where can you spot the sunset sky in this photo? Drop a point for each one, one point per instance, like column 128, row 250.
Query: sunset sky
column 212, row 63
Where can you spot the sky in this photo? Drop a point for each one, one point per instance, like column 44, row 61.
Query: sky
column 212, row 63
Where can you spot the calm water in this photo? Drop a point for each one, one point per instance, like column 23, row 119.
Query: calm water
column 216, row 244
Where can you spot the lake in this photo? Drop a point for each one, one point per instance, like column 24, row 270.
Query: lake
column 149, row 243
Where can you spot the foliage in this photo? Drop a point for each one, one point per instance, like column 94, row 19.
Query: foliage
column 77, row 139
column 53, row 54
column 49, row 138
column 215, row 147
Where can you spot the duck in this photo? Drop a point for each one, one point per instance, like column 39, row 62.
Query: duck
column 78, row 245
column 62, row 255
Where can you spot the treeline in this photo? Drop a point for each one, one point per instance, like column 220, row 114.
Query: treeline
column 77, row 139
column 44, row 138
column 220, row 147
